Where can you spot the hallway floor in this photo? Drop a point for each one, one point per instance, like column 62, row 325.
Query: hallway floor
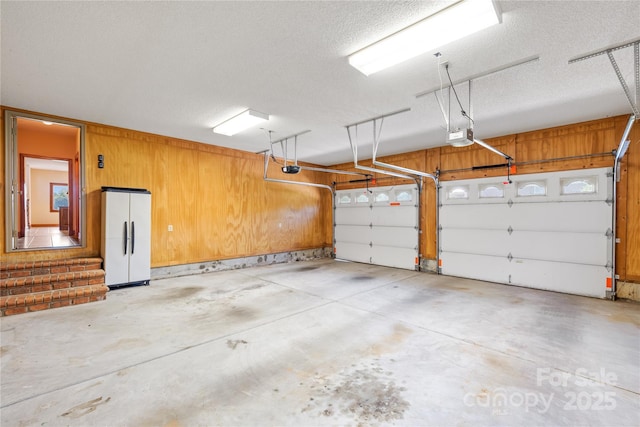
column 324, row 343
column 46, row 237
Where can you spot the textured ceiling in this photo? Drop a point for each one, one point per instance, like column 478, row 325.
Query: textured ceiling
column 179, row 68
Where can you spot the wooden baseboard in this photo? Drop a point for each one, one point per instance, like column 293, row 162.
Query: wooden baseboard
column 44, row 225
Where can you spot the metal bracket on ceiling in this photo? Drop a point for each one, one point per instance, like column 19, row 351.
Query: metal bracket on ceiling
column 354, row 145
column 635, row 104
column 284, row 145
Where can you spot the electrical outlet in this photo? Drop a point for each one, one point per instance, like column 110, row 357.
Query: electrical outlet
column 170, row 228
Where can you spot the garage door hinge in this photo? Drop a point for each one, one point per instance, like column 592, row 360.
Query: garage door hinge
column 370, row 244
column 509, row 279
column 510, row 203
column 510, row 230
column 609, row 266
column 609, row 233
column 609, row 202
column 509, row 257
column 609, row 174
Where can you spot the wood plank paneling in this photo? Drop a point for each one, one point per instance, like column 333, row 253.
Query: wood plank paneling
column 214, row 197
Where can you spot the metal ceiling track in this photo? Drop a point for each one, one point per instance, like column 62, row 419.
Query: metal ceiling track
column 354, row 146
column 376, row 142
column 635, row 104
column 490, row 72
column 284, row 145
column 285, row 181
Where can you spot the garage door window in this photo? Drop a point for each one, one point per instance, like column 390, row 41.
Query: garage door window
column 362, row 198
column 458, row 192
column 344, row 199
column 532, row 188
column 404, row 196
column 583, row 185
column 491, row 191
column 382, row 197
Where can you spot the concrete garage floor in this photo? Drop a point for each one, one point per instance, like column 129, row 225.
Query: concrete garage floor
column 324, row 343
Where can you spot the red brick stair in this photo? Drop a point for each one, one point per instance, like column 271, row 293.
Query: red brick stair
column 41, row 285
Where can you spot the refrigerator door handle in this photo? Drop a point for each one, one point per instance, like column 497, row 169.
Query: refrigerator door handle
column 125, row 239
column 133, row 236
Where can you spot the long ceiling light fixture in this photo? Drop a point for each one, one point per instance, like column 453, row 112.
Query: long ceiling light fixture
column 455, row 22
column 242, row 121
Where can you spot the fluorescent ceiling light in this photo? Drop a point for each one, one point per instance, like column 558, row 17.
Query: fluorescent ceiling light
column 242, row 121
column 450, row 24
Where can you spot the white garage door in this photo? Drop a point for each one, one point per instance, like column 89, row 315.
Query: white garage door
column 547, row 231
column 378, row 226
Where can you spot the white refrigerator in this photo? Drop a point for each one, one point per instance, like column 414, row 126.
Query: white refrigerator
column 126, row 236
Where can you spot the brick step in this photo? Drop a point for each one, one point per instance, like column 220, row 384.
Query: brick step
column 35, row 268
column 36, row 301
column 50, row 282
column 40, row 285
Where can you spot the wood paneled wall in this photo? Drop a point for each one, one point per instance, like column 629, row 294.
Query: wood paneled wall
column 215, row 198
column 577, row 146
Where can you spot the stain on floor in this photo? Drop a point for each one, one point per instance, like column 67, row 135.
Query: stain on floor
column 366, row 394
column 232, row 344
column 360, row 278
column 85, row 408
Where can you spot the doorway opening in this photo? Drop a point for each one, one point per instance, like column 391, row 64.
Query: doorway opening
column 45, row 206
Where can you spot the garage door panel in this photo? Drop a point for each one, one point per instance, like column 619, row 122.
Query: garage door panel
column 353, row 215
column 481, row 267
column 352, row 233
column 394, row 257
column 396, row 237
column 474, row 216
column 561, row 216
column 400, row 216
column 353, row 252
column 481, row 242
column 587, row 280
column 582, row 248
